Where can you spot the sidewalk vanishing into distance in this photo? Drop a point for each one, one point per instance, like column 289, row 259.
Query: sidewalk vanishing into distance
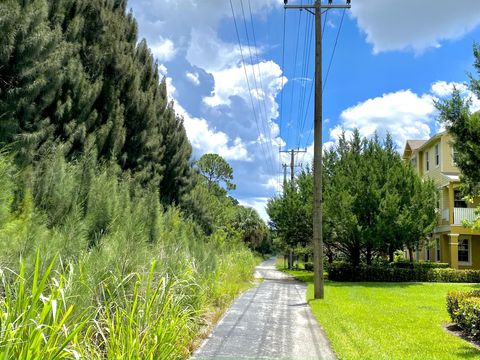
column 270, row 321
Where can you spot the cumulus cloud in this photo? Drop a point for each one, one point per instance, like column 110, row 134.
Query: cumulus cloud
column 403, row 114
column 442, row 89
column 193, row 78
column 164, row 49
column 192, row 25
column 414, row 24
column 206, row 140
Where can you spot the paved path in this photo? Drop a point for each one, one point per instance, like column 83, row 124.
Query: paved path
column 270, row 321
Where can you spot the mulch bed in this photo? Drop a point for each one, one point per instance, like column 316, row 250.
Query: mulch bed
column 456, row 330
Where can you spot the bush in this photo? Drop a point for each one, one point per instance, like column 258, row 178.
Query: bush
column 404, row 264
column 464, row 310
column 341, row 271
column 308, row 266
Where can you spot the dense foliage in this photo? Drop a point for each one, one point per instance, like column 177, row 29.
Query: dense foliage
column 423, row 272
column 113, row 244
column 373, row 203
column 126, row 277
column 464, row 126
column 464, row 310
column 74, row 73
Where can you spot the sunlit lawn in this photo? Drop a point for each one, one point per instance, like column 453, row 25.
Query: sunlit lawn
column 388, row 320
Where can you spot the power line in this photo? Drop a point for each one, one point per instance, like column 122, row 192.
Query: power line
column 329, row 66
column 307, row 55
column 266, row 123
column 293, row 78
column 333, row 52
column 246, row 78
column 283, row 67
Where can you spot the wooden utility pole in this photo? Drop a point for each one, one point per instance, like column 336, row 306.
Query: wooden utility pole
column 316, row 10
column 292, row 153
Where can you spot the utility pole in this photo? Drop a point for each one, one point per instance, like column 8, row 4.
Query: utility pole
column 292, row 153
column 316, row 10
column 284, row 177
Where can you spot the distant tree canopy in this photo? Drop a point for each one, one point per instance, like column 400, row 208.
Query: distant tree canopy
column 217, row 172
column 73, row 73
column 373, row 203
column 464, row 126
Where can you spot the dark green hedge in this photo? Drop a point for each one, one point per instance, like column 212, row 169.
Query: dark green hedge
column 419, row 264
column 340, row 271
column 464, row 310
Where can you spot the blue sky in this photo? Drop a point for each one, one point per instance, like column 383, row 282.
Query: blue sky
column 392, row 60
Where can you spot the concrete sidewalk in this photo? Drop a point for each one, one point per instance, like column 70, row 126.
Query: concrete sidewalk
column 270, row 321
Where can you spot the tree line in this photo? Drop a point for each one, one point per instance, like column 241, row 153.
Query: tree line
column 76, row 79
column 373, row 203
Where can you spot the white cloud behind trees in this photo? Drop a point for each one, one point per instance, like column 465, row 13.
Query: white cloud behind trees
column 207, row 80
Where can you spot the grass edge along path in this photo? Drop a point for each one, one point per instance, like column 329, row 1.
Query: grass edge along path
column 388, row 320
column 213, row 313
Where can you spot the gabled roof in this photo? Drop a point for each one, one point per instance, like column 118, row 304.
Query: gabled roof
column 412, row 145
column 415, row 144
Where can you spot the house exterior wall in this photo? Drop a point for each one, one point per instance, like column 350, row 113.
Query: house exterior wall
column 448, row 233
column 447, row 152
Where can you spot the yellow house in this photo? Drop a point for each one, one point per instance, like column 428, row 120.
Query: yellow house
column 451, row 242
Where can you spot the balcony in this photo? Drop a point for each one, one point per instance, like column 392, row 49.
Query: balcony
column 460, row 214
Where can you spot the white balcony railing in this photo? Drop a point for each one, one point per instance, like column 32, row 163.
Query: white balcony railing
column 460, row 214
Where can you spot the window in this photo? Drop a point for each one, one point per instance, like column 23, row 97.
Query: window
column 428, row 254
column 458, row 199
column 437, row 154
column 437, row 247
column 414, row 161
column 427, row 161
column 464, row 251
column 454, row 155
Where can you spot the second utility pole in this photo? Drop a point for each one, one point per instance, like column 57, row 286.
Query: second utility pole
column 317, row 143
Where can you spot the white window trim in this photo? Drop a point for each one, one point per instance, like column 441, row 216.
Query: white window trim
column 453, row 157
column 427, row 161
column 469, row 262
column 437, row 146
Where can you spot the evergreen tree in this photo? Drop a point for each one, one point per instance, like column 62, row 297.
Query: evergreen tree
column 73, row 73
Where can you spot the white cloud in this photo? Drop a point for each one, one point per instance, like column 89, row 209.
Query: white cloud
column 444, row 89
column 232, row 82
column 206, row 140
column 404, row 114
column 162, row 69
column 164, row 50
column 257, row 203
column 193, row 78
column 414, row 24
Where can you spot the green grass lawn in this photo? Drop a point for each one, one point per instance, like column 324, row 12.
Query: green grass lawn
column 388, row 320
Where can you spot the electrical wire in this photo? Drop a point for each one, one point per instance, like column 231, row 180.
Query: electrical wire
column 248, row 82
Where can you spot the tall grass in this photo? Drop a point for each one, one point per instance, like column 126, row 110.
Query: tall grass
column 92, row 266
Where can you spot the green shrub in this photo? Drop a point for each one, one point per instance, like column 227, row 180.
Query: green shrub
column 464, row 310
column 341, row 271
column 404, row 264
column 308, row 266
